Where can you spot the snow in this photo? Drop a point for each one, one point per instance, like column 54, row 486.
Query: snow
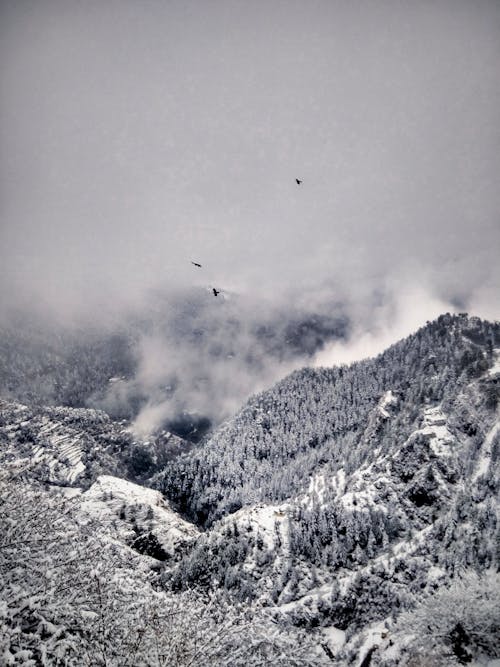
column 68, row 491
column 485, row 455
column 76, row 471
column 312, row 596
column 361, row 498
column 38, row 454
column 263, row 519
column 124, row 490
column 408, row 546
column 318, row 485
column 335, row 638
column 61, row 451
column 434, row 416
column 369, row 481
column 495, row 369
column 374, row 637
column 435, row 573
column 108, row 496
column 387, row 400
column 435, row 426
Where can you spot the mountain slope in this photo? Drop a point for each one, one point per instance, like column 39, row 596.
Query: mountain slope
column 351, row 506
column 333, row 418
column 72, row 446
column 74, row 592
column 343, row 496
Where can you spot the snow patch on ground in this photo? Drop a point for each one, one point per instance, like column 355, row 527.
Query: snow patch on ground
column 485, row 454
column 361, row 497
column 124, row 490
column 68, row 491
column 313, row 596
column 375, row 636
column 495, row 369
column 265, row 520
column 435, row 426
column 334, row 637
column 119, row 504
column 386, row 401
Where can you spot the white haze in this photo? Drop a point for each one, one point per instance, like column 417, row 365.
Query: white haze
column 208, row 356
column 392, row 321
column 138, row 136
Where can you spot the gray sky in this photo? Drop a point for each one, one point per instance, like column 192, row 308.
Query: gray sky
column 136, row 136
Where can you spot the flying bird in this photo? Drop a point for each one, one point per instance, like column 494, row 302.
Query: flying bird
column 297, row 181
column 196, row 264
column 215, row 291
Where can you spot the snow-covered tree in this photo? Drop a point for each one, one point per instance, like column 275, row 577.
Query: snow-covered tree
column 458, row 622
column 69, row 596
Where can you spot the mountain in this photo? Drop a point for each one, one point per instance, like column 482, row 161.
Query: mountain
column 344, row 495
column 345, row 516
column 72, row 446
column 334, row 418
column 79, row 585
column 181, row 351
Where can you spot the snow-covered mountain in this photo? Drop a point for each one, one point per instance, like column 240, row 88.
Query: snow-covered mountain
column 72, row 446
column 195, row 354
column 344, row 495
column 358, row 505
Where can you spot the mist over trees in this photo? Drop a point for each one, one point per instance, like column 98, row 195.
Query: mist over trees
column 208, row 211
column 182, row 358
column 359, row 500
column 326, row 418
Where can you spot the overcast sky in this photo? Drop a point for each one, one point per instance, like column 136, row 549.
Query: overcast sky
column 138, row 135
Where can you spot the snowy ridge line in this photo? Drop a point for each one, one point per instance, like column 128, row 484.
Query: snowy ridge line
column 128, row 511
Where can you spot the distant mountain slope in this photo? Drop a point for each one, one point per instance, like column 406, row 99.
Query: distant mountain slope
column 346, row 516
column 172, row 350
column 72, row 446
column 344, row 496
column 42, row 365
column 335, row 417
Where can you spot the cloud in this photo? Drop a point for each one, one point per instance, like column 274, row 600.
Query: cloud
column 206, row 355
column 397, row 316
column 122, row 163
column 176, row 133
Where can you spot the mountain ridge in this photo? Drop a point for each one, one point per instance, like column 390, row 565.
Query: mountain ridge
column 333, row 405
column 342, row 501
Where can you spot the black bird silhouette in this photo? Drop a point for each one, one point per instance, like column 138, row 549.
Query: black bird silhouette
column 196, row 264
column 215, row 291
column 297, row 181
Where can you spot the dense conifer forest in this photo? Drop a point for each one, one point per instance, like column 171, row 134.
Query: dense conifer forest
column 345, row 514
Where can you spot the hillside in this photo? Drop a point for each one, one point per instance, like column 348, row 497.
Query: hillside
column 343, row 496
column 345, row 516
column 334, row 418
column 125, row 366
column 72, row 446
